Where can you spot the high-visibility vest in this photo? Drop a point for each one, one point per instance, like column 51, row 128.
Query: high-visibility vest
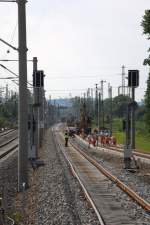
column 66, row 136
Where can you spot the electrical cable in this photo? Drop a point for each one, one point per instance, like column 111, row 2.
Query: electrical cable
column 81, row 76
column 8, row 1
column 4, row 67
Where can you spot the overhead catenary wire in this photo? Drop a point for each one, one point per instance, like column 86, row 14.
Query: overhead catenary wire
column 13, row 60
column 4, row 67
column 8, row 1
column 81, row 76
column 6, row 78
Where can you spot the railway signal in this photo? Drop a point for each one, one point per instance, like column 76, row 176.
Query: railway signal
column 133, row 78
column 133, row 82
column 38, row 78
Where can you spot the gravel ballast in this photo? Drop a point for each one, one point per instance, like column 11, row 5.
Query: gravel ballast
column 137, row 181
column 54, row 196
column 8, row 182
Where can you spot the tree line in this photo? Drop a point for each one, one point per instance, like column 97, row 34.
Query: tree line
column 85, row 108
column 146, row 30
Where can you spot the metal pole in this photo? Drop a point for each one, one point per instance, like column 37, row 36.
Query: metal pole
column 35, row 61
column 41, row 113
column 110, row 96
column 23, row 105
column 6, row 98
column 123, row 80
column 96, row 105
column 102, row 99
column 92, row 102
column 118, row 90
column 133, row 120
column 102, row 103
column 35, row 114
column 99, row 105
column 127, row 146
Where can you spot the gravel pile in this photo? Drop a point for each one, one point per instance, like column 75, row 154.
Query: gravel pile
column 54, row 196
column 139, row 182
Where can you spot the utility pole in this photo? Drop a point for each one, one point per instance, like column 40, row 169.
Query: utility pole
column 35, row 143
column 123, row 80
column 92, row 101
column 96, row 105
column 127, row 147
column 88, row 102
column 54, row 111
column 23, row 104
column 41, row 110
column 58, row 112
column 133, row 119
column 110, row 97
column 83, row 124
column 6, row 98
column 102, row 99
column 99, row 110
column 1, row 94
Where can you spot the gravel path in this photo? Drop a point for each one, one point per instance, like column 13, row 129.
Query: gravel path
column 138, row 181
column 54, row 196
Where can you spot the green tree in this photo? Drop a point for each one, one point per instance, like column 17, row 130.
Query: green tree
column 147, row 104
column 120, row 105
column 146, row 30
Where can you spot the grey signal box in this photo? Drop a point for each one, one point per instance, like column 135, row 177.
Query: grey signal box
column 133, row 78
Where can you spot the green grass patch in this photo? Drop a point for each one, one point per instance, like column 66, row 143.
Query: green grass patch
column 120, row 137
column 142, row 138
column 142, row 142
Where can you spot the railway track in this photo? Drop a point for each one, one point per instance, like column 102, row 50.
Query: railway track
column 6, row 132
column 119, row 183
column 133, row 195
column 97, row 179
column 139, row 155
column 8, row 143
column 136, row 153
column 88, row 197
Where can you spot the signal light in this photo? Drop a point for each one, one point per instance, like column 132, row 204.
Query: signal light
column 133, row 78
column 38, row 78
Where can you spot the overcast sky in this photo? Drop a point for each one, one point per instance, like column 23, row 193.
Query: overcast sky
column 79, row 42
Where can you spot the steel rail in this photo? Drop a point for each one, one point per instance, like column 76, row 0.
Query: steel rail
column 8, row 151
column 87, row 195
column 10, row 219
column 5, row 133
column 118, row 149
column 8, row 142
column 136, row 153
column 145, row 205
